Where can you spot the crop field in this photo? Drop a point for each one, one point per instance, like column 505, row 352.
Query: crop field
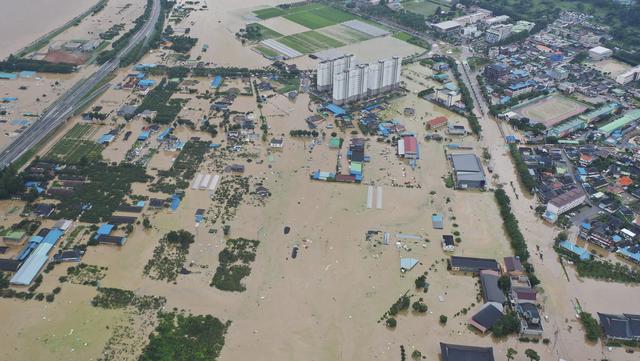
column 266, row 51
column 75, row 145
column 269, row 13
column 266, row 32
column 422, row 7
column 310, row 42
column 550, row 110
column 345, row 34
column 317, row 16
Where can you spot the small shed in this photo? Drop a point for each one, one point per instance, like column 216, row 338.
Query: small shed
column 437, row 221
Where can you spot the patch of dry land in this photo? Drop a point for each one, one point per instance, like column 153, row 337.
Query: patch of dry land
column 314, row 286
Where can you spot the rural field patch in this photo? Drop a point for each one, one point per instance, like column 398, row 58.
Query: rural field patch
column 266, row 51
column 268, row 13
column 266, row 32
column 319, row 17
column 344, row 34
column 75, row 145
column 310, row 42
column 284, row 26
column 422, row 7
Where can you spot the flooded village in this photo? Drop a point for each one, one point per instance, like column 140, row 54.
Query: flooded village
column 274, row 180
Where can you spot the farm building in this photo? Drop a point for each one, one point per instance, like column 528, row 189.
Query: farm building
column 489, row 315
column 468, row 171
column 437, row 123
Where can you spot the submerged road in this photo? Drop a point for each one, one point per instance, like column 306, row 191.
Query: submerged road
column 63, row 108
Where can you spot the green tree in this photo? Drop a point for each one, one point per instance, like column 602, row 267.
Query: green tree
column 416, row 355
column 443, row 319
column 532, row 355
column 391, row 323
column 511, row 353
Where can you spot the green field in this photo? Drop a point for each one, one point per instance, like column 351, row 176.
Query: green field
column 266, row 51
column 266, row 32
column 268, row 13
column 423, row 7
column 317, row 16
column 412, row 40
column 402, row 36
column 75, row 145
column 344, row 34
column 310, row 42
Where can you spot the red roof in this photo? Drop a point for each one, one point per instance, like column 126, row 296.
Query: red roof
column 625, row 181
column 435, row 122
column 410, row 144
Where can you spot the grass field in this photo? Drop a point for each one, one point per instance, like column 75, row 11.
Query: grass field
column 310, row 42
column 266, row 51
column 550, row 110
column 344, row 34
column 75, row 145
column 422, row 7
column 268, row 13
column 317, row 16
column 402, row 36
column 266, row 32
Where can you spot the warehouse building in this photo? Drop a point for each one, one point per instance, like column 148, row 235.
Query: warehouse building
column 468, row 171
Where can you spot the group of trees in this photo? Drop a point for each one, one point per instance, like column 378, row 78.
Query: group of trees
column 591, row 326
column 402, row 17
column 14, row 63
column 518, row 243
column 159, row 100
column 182, row 44
column 11, row 183
column 509, row 324
column 304, row 133
column 523, row 170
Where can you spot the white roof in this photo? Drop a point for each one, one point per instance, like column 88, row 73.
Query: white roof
column 600, row 50
column 447, row 25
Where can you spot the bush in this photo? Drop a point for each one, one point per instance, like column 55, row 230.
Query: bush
column 50, row 297
column 443, row 319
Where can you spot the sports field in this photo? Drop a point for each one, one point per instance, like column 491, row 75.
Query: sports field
column 423, row 7
column 310, row 42
column 77, row 143
column 550, row 110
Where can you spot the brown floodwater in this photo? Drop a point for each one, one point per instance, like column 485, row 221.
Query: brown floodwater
column 24, row 21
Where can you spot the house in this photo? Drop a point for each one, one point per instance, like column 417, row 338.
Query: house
column 523, row 294
column 157, row 203
column 468, row 171
column 491, row 291
column 235, row 168
column 451, row 352
column 513, row 266
column 9, row 265
column 406, row 264
column 575, row 250
column 71, row 255
column 408, row 147
column 276, row 143
column 122, row 220
column 12, row 235
column 489, row 315
column 624, row 327
column 530, row 321
column 472, row 264
column 44, row 210
column 456, row 129
column 447, row 243
column 437, row 123
column 112, row 240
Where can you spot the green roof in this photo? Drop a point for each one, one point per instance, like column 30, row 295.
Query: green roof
column 13, row 234
column 334, row 142
column 356, row 166
column 629, row 117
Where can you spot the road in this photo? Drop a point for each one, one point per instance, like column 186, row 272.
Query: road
column 63, row 108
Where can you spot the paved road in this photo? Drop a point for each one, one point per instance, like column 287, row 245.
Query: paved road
column 63, row 108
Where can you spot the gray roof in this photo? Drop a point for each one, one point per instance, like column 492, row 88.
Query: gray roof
column 451, row 352
column 624, row 327
column 466, row 163
column 490, row 289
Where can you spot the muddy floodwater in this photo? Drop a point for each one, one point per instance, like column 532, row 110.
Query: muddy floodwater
column 22, row 22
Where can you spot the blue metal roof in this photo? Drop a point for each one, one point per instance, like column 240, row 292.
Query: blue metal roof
column 408, row 263
column 582, row 253
column 53, row 236
column 32, row 266
column 336, row 110
column 105, row 229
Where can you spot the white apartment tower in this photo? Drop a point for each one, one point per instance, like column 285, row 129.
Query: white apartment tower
column 350, row 82
column 328, row 70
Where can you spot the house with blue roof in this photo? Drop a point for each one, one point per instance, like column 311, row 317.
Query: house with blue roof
column 575, row 250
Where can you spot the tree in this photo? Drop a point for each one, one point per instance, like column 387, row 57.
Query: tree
column 416, row 355
column 591, row 327
column 532, row 355
column 391, row 322
column 511, row 353
column 146, row 223
column 443, row 319
column 128, row 228
column 504, row 282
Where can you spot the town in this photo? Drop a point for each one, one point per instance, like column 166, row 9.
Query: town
column 380, row 180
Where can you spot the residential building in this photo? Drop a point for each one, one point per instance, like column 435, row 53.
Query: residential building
column 513, row 266
column 472, row 264
column 448, row 244
column 624, row 327
column 498, row 33
column 530, row 320
column 489, row 315
column 491, row 291
column 437, row 123
column 329, row 69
